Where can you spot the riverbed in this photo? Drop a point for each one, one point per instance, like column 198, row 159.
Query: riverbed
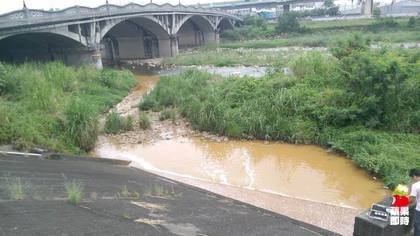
column 302, row 176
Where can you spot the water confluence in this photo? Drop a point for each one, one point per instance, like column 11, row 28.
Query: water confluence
column 300, row 171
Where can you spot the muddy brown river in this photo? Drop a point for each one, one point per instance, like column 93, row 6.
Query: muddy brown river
column 305, row 172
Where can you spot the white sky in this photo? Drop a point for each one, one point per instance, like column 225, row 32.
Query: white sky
column 11, row 5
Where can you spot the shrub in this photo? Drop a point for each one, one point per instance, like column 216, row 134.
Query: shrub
column 74, row 191
column 288, row 22
column 144, row 121
column 147, row 104
column 411, row 22
column 115, row 124
column 356, row 42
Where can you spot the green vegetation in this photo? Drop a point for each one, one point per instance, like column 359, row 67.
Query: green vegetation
column 325, row 39
column 358, row 101
column 15, row 188
column 161, row 191
column 144, row 121
column 56, row 107
column 115, row 124
column 290, row 32
column 125, row 193
column 74, row 191
column 168, row 113
column 229, row 57
column 288, row 22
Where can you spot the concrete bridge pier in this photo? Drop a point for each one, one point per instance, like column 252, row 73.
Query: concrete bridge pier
column 174, row 45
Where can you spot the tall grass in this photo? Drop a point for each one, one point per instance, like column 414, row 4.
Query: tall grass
column 15, row 188
column 74, row 191
column 233, row 57
column 340, row 102
column 56, row 107
column 144, row 121
column 115, row 124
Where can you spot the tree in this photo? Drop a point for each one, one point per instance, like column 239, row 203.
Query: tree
column 330, row 8
column 329, row 3
column 288, row 22
column 411, row 22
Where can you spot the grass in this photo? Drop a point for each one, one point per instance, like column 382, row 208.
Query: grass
column 15, row 188
column 168, row 113
column 232, row 57
column 323, row 33
column 125, row 193
column 144, row 121
column 56, row 107
column 339, row 101
column 161, row 191
column 115, row 123
column 325, row 39
column 74, row 191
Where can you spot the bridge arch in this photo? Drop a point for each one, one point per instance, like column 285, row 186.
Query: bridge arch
column 196, row 30
column 134, row 38
column 44, row 46
column 225, row 24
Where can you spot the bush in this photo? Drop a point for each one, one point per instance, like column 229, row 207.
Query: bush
column 147, row 105
column 346, row 47
column 115, row 124
column 411, row 22
column 288, row 22
column 144, row 121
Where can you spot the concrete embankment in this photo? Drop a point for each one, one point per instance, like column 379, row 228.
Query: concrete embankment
column 119, row 200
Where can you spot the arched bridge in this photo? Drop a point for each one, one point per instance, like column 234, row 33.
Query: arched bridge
column 81, row 35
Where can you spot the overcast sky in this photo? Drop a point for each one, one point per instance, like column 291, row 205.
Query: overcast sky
column 11, row 5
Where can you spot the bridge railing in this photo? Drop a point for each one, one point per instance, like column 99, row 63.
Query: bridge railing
column 31, row 17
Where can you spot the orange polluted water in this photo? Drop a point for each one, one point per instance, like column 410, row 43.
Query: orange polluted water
column 302, row 171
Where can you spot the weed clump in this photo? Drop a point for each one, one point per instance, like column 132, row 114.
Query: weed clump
column 115, row 124
column 74, row 191
column 144, row 121
column 15, row 188
column 168, row 113
column 125, row 193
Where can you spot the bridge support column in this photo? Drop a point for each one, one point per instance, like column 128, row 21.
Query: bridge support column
column 168, row 47
column 367, row 8
column 174, row 45
column 217, row 36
